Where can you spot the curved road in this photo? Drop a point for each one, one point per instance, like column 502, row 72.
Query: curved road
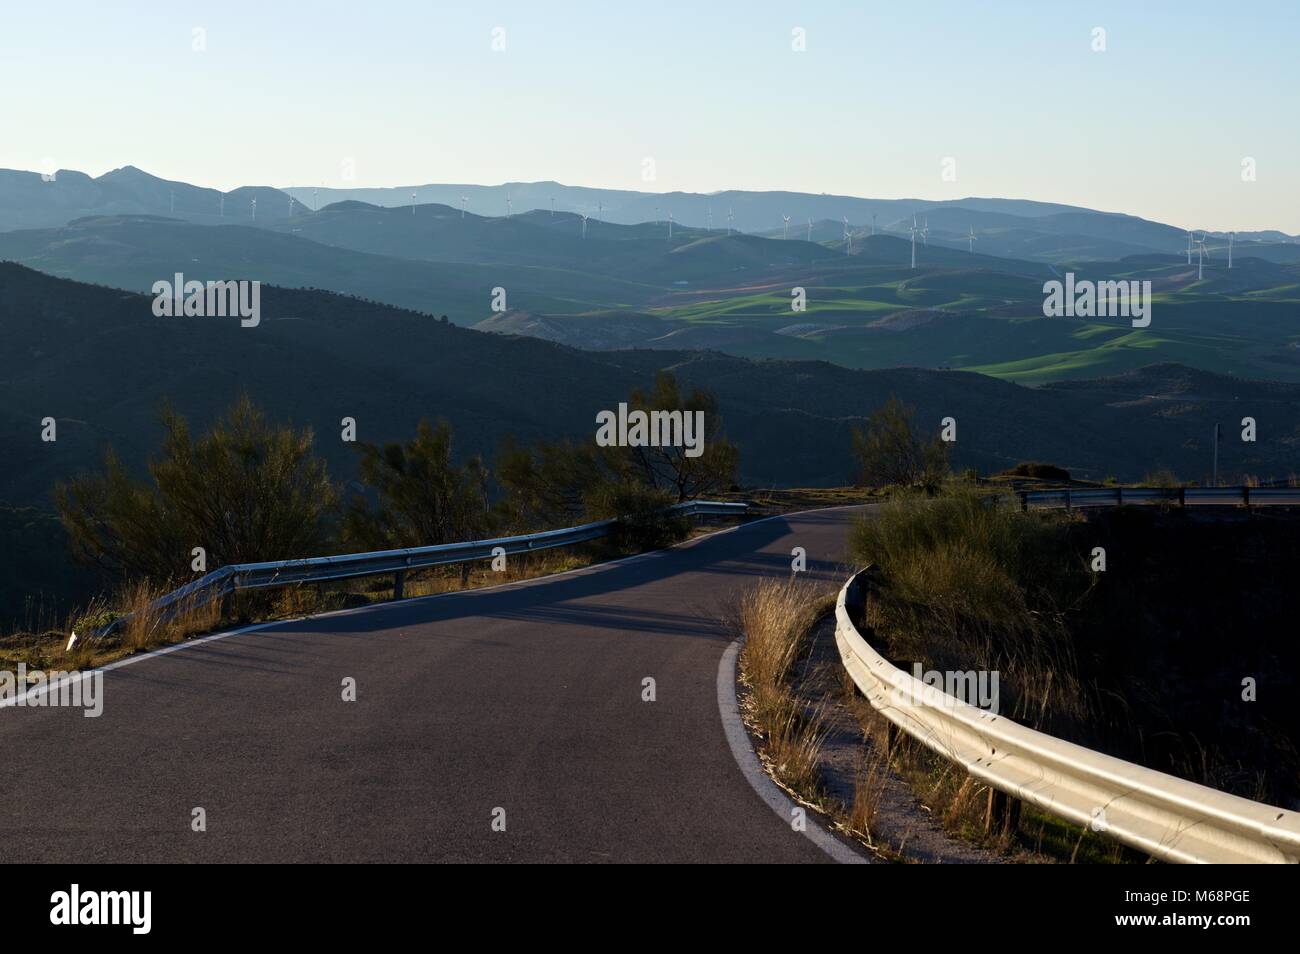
column 525, row 697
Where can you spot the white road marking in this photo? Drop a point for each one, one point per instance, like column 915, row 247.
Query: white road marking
column 752, row 768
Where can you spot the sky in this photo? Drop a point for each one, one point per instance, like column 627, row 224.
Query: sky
column 1166, row 122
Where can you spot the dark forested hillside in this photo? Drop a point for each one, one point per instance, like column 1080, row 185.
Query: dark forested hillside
column 100, row 363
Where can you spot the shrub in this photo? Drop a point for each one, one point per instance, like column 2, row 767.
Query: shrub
column 888, row 452
column 644, row 521
column 1038, row 471
column 245, row 491
column 970, row 584
column 424, row 497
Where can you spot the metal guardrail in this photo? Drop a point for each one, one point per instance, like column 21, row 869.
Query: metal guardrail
column 1167, row 817
column 252, row 576
column 1182, row 496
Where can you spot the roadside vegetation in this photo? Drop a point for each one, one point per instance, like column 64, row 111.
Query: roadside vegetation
column 889, row 453
column 831, row 751
column 1124, row 655
column 251, row 490
column 963, row 580
column 775, row 618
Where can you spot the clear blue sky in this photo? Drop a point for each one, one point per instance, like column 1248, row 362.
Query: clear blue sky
column 1157, row 125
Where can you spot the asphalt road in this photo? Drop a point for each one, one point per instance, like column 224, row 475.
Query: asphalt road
column 526, row 697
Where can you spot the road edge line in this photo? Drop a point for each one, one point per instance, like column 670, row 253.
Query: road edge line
column 750, row 766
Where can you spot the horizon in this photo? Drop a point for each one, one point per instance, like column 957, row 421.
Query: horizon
column 354, row 187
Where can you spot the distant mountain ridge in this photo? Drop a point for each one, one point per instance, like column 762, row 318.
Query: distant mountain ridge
column 1018, row 228
column 30, row 200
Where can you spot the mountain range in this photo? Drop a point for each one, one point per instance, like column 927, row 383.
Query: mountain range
column 622, row 286
column 1039, row 231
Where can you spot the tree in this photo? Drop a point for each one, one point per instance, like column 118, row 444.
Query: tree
column 424, row 498
column 246, row 491
column 557, row 483
column 551, row 484
column 672, row 468
column 888, row 452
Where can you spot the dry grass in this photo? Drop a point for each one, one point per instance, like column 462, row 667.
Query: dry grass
column 792, row 744
column 868, row 791
column 959, row 802
column 774, row 618
column 143, row 628
column 968, row 585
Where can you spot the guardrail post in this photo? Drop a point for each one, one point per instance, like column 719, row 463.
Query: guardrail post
column 1002, row 815
column 1119, row 496
column 1245, row 496
column 399, row 581
column 1182, row 496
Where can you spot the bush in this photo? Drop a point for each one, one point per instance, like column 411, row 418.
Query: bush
column 970, row 584
column 425, row 498
column 644, row 521
column 558, row 483
column 1162, row 478
column 888, row 453
column 245, row 491
column 1038, row 471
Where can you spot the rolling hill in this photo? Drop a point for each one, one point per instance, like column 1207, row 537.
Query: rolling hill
column 29, row 200
column 98, row 361
column 630, row 286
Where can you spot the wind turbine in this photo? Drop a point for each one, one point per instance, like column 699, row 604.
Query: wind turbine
column 971, row 240
column 923, row 231
column 1201, row 252
column 729, row 218
column 290, row 206
column 810, row 230
column 315, row 203
column 413, row 203
column 873, row 223
column 509, row 205
column 670, row 223
column 552, row 206
column 463, row 199
column 254, row 210
column 848, row 237
column 584, row 225
column 708, row 218
column 1231, row 236
column 1189, row 248
column 656, row 213
column 222, row 207
column 785, row 233
column 600, row 209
